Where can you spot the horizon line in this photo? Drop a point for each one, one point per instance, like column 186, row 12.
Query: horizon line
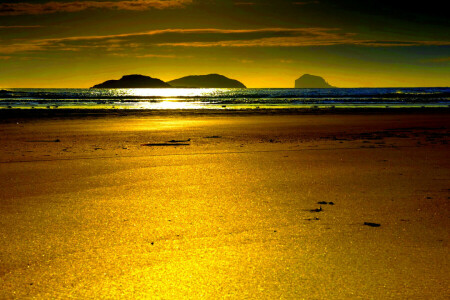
column 247, row 88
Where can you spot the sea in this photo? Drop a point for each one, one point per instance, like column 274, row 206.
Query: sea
column 222, row 99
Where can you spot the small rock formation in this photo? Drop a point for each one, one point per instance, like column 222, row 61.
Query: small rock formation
column 308, row 81
column 206, row 81
column 133, row 82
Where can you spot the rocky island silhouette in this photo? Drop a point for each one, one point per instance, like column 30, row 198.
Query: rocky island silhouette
column 308, row 81
column 133, row 81
column 192, row 81
column 206, row 81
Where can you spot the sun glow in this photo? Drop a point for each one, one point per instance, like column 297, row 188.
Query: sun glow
column 169, row 93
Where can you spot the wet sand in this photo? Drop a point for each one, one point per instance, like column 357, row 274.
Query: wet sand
column 225, row 205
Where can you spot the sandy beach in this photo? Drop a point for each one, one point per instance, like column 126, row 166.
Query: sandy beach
column 229, row 205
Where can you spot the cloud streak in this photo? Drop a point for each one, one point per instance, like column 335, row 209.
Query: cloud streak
column 300, row 41
column 23, row 8
column 209, row 37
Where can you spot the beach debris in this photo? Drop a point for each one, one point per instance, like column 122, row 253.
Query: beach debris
column 372, row 224
column 317, row 209
column 312, row 219
column 165, row 144
column 170, row 143
column 325, row 202
column 44, row 141
column 179, row 141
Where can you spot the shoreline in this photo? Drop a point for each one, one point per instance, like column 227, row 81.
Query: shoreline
column 7, row 114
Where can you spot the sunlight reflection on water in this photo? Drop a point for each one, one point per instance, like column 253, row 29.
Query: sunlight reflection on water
column 167, row 92
column 170, row 104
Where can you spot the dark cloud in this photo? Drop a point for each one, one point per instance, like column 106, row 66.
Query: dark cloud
column 24, row 8
column 20, row 26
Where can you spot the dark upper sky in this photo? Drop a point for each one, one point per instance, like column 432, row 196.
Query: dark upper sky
column 260, row 42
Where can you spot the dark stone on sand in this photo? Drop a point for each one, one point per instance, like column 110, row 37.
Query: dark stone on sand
column 165, row 144
column 44, row 141
column 133, row 82
column 372, row 224
column 308, row 81
column 317, row 209
column 179, row 141
column 206, row 81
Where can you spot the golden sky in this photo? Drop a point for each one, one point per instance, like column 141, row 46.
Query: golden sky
column 261, row 43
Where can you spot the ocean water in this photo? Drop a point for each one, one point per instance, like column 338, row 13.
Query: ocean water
column 222, row 98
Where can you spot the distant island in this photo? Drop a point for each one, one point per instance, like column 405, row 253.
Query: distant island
column 193, row 81
column 206, row 81
column 133, row 82
column 308, row 81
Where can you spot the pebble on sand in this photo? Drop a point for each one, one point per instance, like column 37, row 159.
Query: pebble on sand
column 317, row 209
column 372, row 224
